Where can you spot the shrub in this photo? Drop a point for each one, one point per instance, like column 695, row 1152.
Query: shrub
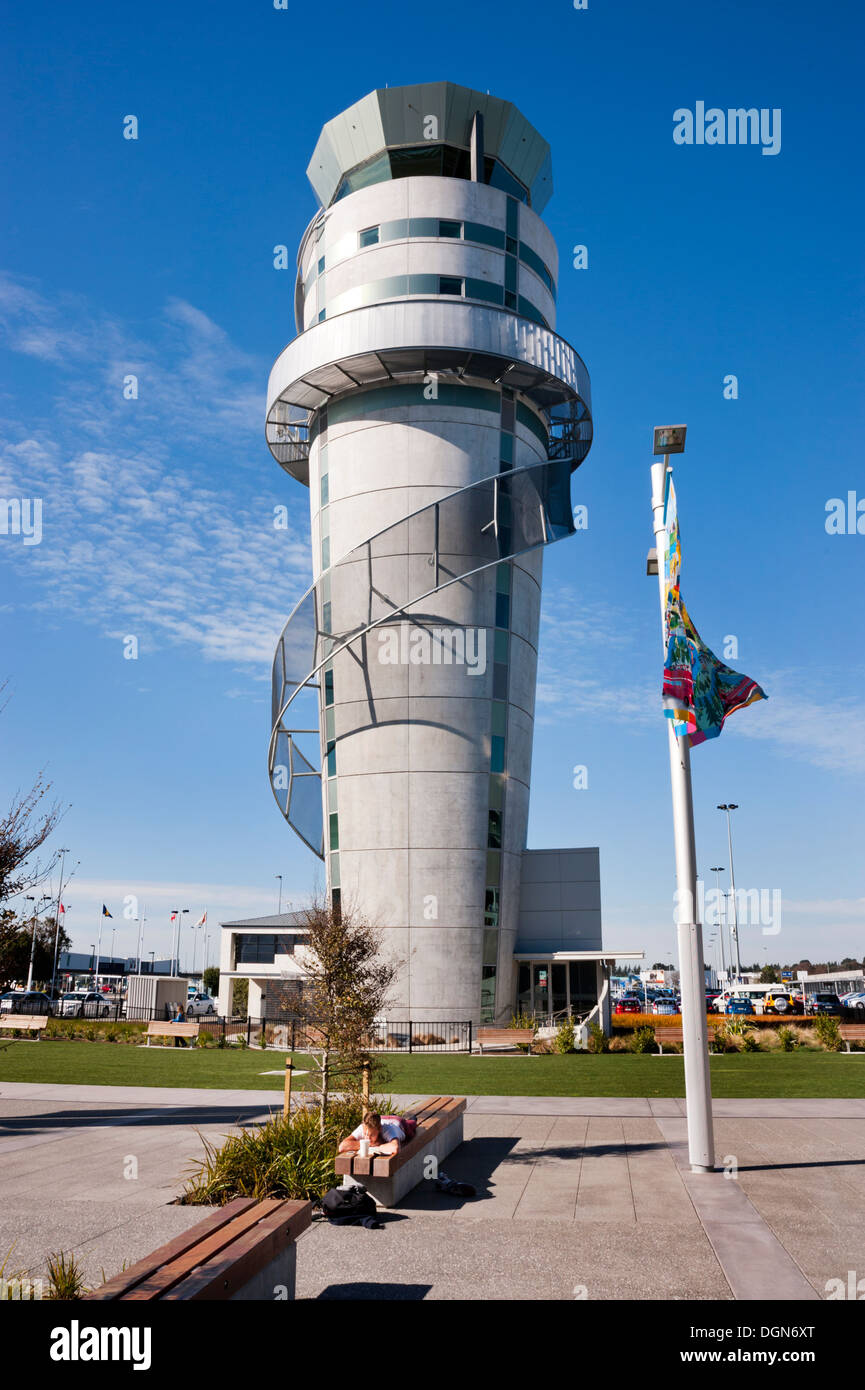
column 643, row 1040
column 285, row 1157
column 721, row 1040
column 523, row 1020
column 750, row 1042
column 788, row 1039
column 828, row 1032
column 65, row 1280
column 598, row 1040
column 566, row 1038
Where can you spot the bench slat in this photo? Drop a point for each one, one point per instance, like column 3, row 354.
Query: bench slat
column 157, row 1284
column 121, row 1283
column 235, row 1264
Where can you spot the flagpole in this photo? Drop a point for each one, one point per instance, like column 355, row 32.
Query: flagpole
column 698, row 1086
column 63, row 854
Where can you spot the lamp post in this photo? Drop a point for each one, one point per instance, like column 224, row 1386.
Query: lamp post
column 151, row 954
column 719, row 869
column 279, row 907
column 31, row 899
column 180, row 916
column 734, row 930
column 63, row 854
column 670, row 439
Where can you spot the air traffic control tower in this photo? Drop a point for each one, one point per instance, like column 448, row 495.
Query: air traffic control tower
column 435, row 416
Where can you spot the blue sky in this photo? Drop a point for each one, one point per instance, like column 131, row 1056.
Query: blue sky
column 155, row 257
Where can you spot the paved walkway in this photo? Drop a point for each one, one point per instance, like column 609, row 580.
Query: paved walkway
column 583, row 1197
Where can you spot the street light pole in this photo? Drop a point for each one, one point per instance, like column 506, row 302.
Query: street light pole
column 31, row 899
column 63, row 854
column 719, row 870
column 279, row 908
column 698, row 1087
column 734, row 930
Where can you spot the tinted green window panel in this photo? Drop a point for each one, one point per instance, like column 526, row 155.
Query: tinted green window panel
column 423, row 226
column 386, row 397
column 320, row 264
column 451, row 229
column 499, row 717
column 449, row 284
column 394, row 231
column 491, row 907
column 329, row 726
column 501, row 649
column 333, row 825
column 500, row 680
column 506, row 447
column 508, row 416
column 376, row 171
column 322, row 315
column 488, row 994
column 510, row 273
column 530, row 420
column 533, row 260
column 494, row 868
column 497, row 793
column 368, row 237
column 334, row 882
column 325, row 552
column 501, row 178
column 325, row 491
column 331, row 759
column 497, row 754
column 503, row 580
column 482, row 289
column 512, row 220
column 511, row 245
column 418, row 159
column 490, row 947
column 529, row 311
column 510, row 299
column 494, row 829
column 331, row 793
column 328, row 687
column 423, row 284
column 485, row 236
column 503, row 608
column 326, row 617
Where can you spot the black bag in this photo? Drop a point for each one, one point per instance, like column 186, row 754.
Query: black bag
column 352, row 1202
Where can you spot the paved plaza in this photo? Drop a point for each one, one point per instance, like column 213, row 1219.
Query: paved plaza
column 576, row 1197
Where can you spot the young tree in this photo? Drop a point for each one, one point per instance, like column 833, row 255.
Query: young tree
column 210, row 979
column 346, row 988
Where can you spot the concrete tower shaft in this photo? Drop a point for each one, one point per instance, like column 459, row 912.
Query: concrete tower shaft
column 435, row 417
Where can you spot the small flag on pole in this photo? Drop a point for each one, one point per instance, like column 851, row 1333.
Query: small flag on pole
column 105, row 912
column 202, row 919
column 62, row 910
column 699, row 690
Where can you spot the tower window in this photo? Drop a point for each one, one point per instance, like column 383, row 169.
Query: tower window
column 449, row 284
column 368, row 237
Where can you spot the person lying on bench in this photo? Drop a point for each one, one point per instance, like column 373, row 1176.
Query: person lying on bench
column 384, row 1136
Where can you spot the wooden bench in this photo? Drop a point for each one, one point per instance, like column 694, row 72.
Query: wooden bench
column 172, row 1030
column 31, row 1023
column 387, row 1179
column 504, row 1037
column 852, row 1032
column 245, row 1250
column 668, row 1035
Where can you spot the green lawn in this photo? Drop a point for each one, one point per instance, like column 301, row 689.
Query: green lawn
column 617, row 1074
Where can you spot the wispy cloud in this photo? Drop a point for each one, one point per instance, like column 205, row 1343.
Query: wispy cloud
column 158, row 512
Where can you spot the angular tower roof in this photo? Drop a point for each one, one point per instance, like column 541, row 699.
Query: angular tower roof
column 394, row 116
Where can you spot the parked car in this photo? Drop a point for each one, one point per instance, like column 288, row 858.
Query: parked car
column 780, row 1001
column 664, row 1006
column 198, row 1004
column 823, row 1004
column 23, row 1001
column 738, row 1004
column 712, row 998
column 854, row 1001
column 628, row 1004
column 84, row 1003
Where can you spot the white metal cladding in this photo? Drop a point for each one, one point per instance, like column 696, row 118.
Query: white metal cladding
column 396, row 116
column 301, row 375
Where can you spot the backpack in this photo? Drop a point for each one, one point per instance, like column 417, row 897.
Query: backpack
column 348, row 1204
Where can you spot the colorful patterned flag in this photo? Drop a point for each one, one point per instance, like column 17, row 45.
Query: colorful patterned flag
column 699, row 690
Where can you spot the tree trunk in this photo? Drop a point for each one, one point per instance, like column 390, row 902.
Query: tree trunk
column 325, row 1078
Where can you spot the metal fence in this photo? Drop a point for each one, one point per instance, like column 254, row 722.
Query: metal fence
column 293, row 1034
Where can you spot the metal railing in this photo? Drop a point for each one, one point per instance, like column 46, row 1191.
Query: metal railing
column 290, row 1033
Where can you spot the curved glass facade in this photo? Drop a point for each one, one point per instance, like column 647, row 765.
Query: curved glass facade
column 439, row 161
